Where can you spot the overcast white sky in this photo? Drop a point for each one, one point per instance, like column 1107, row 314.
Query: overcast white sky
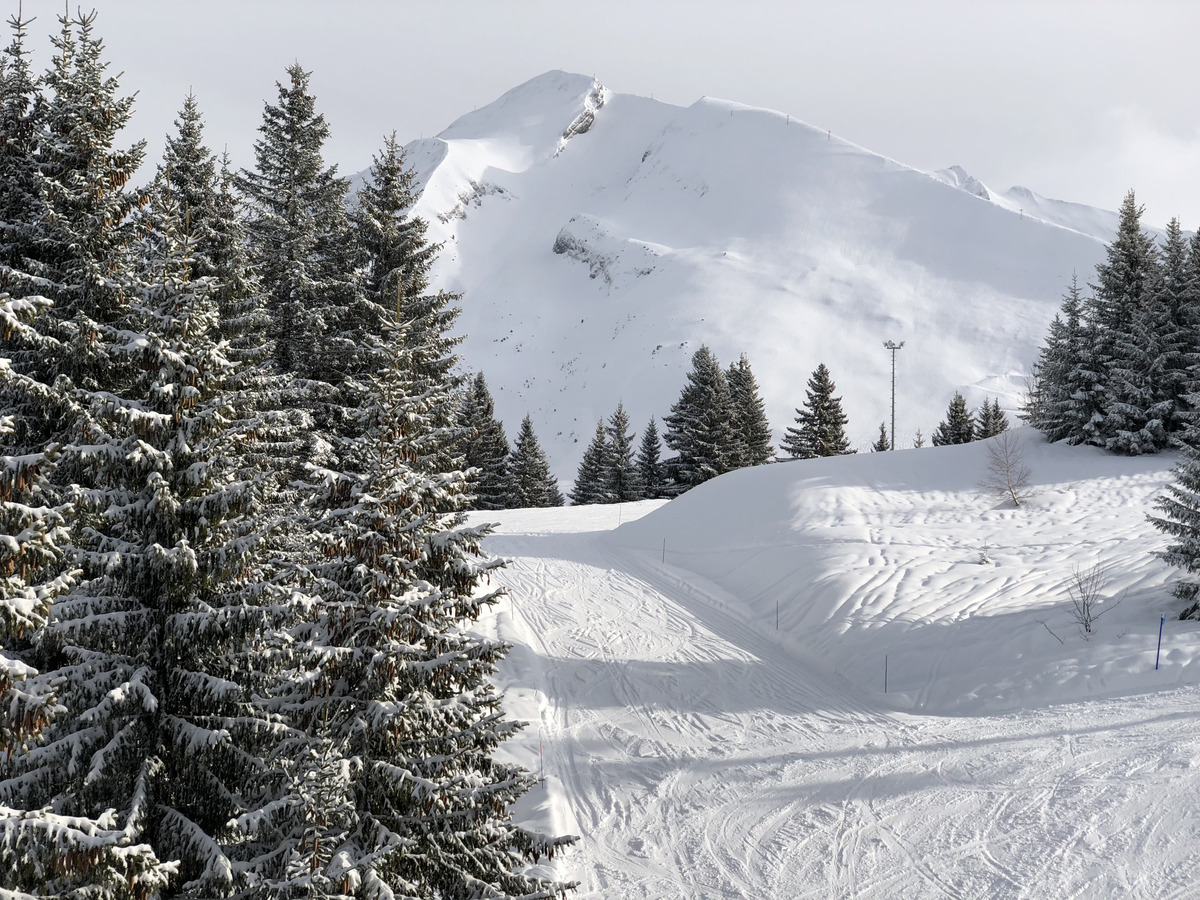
column 1076, row 100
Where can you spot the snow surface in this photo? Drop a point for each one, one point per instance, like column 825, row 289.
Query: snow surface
column 701, row 753
column 599, row 238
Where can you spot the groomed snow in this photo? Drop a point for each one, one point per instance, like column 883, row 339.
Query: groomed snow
column 701, row 753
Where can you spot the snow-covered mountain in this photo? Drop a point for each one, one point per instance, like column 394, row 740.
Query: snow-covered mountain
column 600, row 238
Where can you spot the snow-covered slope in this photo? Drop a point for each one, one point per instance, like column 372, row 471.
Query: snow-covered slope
column 1099, row 223
column 701, row 751
column 600, row 238
column 904, row 554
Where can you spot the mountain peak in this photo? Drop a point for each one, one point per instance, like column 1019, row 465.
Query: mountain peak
column 957, row 176
column 536, row 112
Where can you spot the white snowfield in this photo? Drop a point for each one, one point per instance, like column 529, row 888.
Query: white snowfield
column 700, row 752
column 600, row 238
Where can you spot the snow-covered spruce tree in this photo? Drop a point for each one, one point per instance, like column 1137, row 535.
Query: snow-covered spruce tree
column 394, row 790
column 201, row 187
column 189, row 169
column 153, row 647
column 752, row 431
column 621, row 475
column 991, row 420
column 391, row 247
column 1044, row 384
column 270, row 438
column 650, row 469
column 297, row 224
column 1192, row 303
column 821, row 422
column 1179, row 509
column 1066, row 391
column 529, row 470
column 32, row 571
column 700, row 426
column 1124, row 357
column 882, row 442
column 959, row 425
column 82, row 220
column 1180, row 504
column 1170, row 322
column 43, row 853
column 391, row 242
column 272, row 435
column 192, row 178
column 33, row 405
column 1193, row 272
column 20, row 128
column 391, row 239
column 592, row 483
column 384, row 255
column 919, row 440
column 485, row 447
column 242, row 316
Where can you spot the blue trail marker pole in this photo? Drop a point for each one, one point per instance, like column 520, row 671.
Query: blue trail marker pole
column 885, row 673
column 1158, row 653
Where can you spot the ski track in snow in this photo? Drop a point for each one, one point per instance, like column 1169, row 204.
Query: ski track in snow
column 699, row 758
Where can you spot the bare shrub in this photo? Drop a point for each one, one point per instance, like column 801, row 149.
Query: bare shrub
column 1007, row 475
column 1085, row 590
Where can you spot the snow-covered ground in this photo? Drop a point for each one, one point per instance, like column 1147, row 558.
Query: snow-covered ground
column 699, row 751
column 599, row 238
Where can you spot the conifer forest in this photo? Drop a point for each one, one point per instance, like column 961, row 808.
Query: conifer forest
column 236, row 569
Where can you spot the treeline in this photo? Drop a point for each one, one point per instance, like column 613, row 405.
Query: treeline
column 718, row 424
column 508, row 478
column 235, row 572
column 1118, row 369
column 962, row 426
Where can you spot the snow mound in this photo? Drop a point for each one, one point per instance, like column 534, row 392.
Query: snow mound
column 902, row 555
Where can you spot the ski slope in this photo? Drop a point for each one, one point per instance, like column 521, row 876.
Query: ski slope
column 701, row 752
